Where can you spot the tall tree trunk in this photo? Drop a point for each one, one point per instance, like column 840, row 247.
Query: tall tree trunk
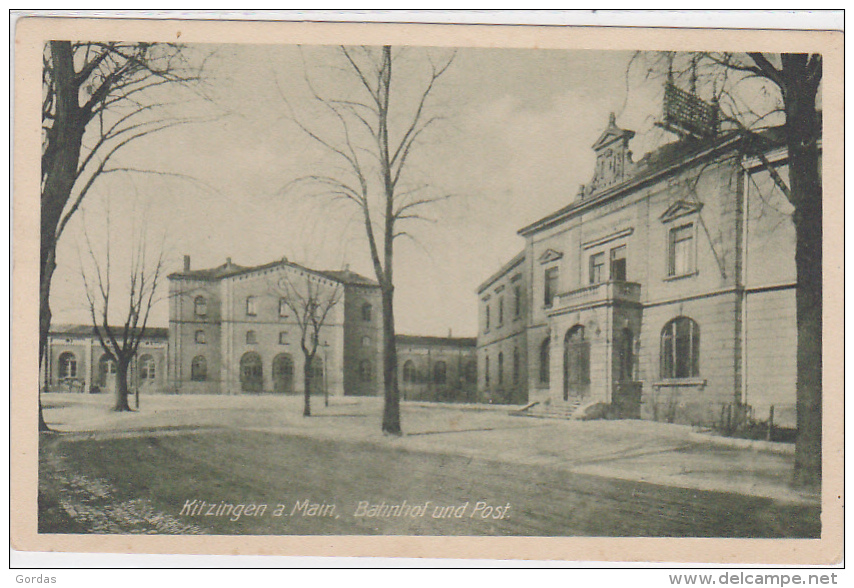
column 391, row 408
column 59, row 172
column 803, row 129
column 122, row 385
column 44, row 328
column 307, row 377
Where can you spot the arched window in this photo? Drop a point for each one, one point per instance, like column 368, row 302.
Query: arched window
column 440, row 372
column 283, row 307
column 67, row 365
column 501, row 367
column 200, row 306
column 251, row 306
column 680, row 349
column 199, row 369
column 409, row 372
column 147, row 368
column 366, row 370
column 367, row 311
column 545, row 354
column 200, row 337
column 366, row 341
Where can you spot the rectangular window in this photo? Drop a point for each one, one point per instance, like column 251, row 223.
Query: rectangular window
column 487, row 316
column 597, row 268
column 283, row 337
column 550, row 285
column 517, row 291
column 618, row 264
column 251, row 308
column 251, row 338
column 681, row 260
column 501, row 311
column 200, row 337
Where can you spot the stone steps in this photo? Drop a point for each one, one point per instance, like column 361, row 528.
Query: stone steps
column 554, row 410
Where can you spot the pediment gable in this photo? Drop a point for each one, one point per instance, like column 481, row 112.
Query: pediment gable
column 550, row 255
column 679, row 209
column 611, row 134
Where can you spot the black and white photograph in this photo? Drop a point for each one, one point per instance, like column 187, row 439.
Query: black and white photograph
column 419, row 283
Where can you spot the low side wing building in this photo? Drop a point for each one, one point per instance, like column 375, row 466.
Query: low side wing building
column 75, row 361
column 437, row 369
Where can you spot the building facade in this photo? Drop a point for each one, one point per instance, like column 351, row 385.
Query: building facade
column 503, row 327
column 75, row 361
column 666, row 288
column 232, row 330
column 437, row 369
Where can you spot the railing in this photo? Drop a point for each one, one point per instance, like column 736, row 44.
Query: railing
column 602, row 292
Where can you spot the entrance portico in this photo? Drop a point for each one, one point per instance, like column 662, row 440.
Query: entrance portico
column 594, row 338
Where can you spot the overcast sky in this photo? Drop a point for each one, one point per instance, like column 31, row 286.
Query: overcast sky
column 514, row 146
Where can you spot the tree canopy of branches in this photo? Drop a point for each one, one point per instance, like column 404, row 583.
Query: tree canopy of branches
column 757, row 90
column 121, row 342
column 97, row 98
column 375, row 126
column 311, row 299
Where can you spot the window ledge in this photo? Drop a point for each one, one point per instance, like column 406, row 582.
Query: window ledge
column 698, row 382
column 681, row 276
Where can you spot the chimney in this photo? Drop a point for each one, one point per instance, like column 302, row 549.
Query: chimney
column 346, row 267
column 227, row 261
column 186, row 263
column 450, row 333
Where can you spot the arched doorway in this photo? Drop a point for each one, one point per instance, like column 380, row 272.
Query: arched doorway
column 576, row 364
column 107, row 374
column 283, row 374
column 251, row 378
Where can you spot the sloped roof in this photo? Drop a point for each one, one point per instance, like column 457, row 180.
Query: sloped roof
column 663, row 161
column 429, row 340
column 349, row 278
column 89, row 330
column 519, row 258
column 229, row 270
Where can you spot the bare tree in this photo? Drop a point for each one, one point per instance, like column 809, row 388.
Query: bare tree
column 97, row 98
column 374, row 143
column 783, row 87
column 311, row 299
column 120, row 343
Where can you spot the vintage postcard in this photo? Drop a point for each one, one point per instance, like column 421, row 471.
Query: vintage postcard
column 508, row 292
